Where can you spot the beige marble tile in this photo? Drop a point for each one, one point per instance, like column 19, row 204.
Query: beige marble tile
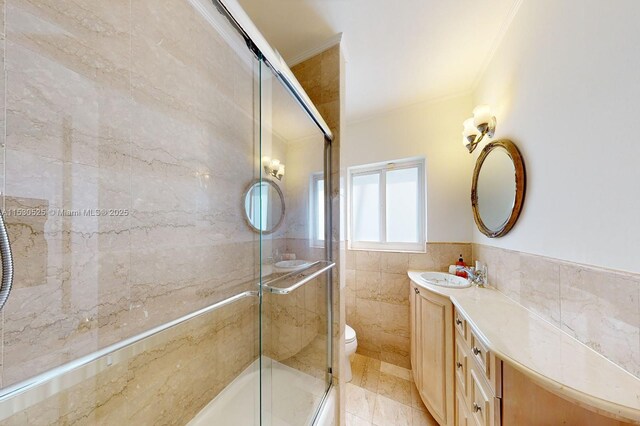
column 366, row 372
column 72, row 84
column 353, row 420
column 368, row 320
column 395, row 263
column 368, row 261
column 416, row 400
column 394, row 370
column 422, row 262
column 390, row 412
column 171, row 363
column 422, row 418
column 394, row 288
column 360, row 402
column 540, row 287
column 395, row 319
column 395, row 388
column 368, row 352
column 350, row 260
column 602, row 309
column 368, row 285
column 351, row 279
column 395, row 349
column 508, row 270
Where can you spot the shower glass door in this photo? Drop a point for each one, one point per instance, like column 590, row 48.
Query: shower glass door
column 294, row 310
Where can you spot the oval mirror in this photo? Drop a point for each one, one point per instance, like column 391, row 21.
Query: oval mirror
column 498, row 188
column 263, row 206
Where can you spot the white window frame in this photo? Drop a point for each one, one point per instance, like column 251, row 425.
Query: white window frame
column 315, row 239
column 382, row 169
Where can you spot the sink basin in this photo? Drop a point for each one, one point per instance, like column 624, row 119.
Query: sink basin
column 290, row 265
column 445, row 280
column 266, row 270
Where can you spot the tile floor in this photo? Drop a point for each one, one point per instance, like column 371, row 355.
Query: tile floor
column 383, row 394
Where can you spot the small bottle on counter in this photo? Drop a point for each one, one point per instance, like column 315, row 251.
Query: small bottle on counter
column 461, row 263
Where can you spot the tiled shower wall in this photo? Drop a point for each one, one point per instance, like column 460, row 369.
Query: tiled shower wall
column 597, row 306
column 323, row 78
column 377, row 296
column 166, row 379
column 140, row 107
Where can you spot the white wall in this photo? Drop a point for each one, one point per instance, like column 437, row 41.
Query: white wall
column 566, row 84
column 432, row 130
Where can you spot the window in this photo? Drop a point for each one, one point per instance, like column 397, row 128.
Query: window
column 316, row 209
column 387, row 206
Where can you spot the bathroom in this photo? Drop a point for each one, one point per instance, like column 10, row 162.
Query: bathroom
column 250, row 212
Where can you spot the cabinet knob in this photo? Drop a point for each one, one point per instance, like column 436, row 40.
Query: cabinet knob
column 459, row 364
column 416, row 290
column 476, row 408
column 476, row 351
column 458, row 321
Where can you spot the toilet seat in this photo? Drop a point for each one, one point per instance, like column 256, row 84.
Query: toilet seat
column 349, row 334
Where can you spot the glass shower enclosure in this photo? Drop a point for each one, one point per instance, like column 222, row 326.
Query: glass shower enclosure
column 164, row 188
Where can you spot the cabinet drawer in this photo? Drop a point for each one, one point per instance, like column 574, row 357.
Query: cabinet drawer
column 461, row 364
column 484, row 407
column 488, row 365
column 481, row 354
column 461, row 325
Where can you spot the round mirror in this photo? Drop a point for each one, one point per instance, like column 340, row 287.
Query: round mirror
column 263, row 206
column 498, row 188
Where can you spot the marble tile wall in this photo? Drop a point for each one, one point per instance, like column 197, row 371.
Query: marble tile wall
column 377, row 296
column 322, row 77
column 138, row 107
column 294, row 327
column 597, row 306
column 165, row 380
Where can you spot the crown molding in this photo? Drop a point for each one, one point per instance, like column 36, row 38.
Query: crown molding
column 325, row 45
column 496, row 43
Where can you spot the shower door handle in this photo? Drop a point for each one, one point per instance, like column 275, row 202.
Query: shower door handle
column 7, row 263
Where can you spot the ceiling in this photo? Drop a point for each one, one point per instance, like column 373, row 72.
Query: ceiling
column 398, row 52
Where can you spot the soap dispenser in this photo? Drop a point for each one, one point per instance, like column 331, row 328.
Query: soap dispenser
column 460, row 263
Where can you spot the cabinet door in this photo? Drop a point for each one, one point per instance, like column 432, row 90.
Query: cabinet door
column 462, row 415
column 435, row 354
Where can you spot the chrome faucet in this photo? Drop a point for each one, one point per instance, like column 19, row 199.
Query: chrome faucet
column 477, row 277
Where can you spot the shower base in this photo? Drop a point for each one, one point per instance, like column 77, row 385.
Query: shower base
column 290, row 398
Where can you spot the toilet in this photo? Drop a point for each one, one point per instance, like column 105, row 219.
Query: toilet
column 350, row 346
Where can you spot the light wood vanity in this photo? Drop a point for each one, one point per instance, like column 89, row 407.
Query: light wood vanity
column 480, row 359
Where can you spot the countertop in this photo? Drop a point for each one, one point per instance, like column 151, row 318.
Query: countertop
column 549, row 356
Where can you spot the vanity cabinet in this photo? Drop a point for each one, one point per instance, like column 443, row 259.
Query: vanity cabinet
column 463, row 380
column 432, row 352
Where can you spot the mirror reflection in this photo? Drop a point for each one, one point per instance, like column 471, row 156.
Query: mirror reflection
column 264, row 206
column 496, row 189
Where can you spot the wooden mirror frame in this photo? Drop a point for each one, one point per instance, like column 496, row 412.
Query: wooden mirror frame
column 520, row 177
column 244, row 209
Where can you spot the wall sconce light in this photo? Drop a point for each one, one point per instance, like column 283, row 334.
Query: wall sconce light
column 483, row 123
column 272, row 167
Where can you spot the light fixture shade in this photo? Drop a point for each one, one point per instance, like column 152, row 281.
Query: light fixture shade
column 469, row 128
column 281, row 170
column 266, row 161
column 482, row 114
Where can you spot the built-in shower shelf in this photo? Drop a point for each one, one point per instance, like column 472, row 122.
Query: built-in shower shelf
column 285, row 284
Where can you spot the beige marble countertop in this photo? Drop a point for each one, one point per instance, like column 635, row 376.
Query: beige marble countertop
column 552, row 358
